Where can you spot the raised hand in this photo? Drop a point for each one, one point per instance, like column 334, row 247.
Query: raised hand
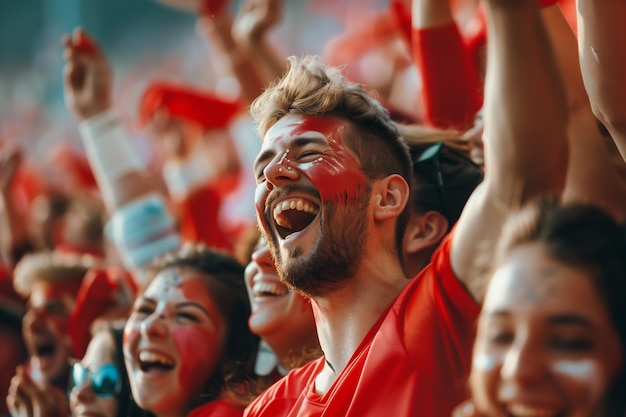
column 10, row 159
column 28, row 399
column 254, row 19
column 87, row 77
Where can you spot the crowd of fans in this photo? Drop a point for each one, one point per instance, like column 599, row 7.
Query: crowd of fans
column 426, row 219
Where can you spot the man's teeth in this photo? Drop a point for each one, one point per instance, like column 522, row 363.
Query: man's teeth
column 154, row 357
column 522, row 410
column 292, row 204
column 269, row 288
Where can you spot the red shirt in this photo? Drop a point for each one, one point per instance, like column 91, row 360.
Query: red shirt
column 414, row 361
column 216, row 408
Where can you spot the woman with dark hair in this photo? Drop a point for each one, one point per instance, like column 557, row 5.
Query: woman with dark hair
column 186, row 341
column 552, row 333
column 99, row 382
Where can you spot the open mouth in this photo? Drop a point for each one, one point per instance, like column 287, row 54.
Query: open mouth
column 269, row 289
column 45, row 350
column 293, row 215
column 524, row 410
column 149, row 361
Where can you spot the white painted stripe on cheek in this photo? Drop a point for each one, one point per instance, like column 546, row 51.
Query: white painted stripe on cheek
column 483, row 362
column 575, row 369
column 588, row 376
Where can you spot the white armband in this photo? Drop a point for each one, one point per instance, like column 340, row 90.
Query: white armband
column 142, row 230
column 108, row 148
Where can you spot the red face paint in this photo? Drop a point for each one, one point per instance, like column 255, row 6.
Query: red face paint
column 199, row 352
column 199, row 348
column 338, row 177
column 53, row 303
column 176, row 315
column 336, row 173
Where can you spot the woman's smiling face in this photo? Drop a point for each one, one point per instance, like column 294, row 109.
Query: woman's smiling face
column 545, row 344
column 173, row 341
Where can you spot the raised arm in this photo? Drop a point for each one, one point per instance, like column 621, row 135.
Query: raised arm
column 14, row 234
column 215, row 23
column 88, row 85
column 602, row 49
column 252, row 25
column 591, row 177
column 141, row 225
column 525, row 137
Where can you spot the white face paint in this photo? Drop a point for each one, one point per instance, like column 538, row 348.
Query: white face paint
column 583, row 370
column 587, row 374
column 548, row 318
column 483, row 362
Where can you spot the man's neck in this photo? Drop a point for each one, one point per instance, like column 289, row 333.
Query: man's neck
column 345, row 316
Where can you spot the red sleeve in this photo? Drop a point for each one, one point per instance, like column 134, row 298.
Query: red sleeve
column 451, row 90
column 441, row 313
column 546, row 3
column 217, row 408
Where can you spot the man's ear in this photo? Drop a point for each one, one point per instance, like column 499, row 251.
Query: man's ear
column 424, row 231
column 391, row 198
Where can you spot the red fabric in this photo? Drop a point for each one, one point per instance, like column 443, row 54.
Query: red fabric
column 96, row 295
column 415, row 364
column 451, row 89
column 546, row 3
column 402, row 19
column 74, row 164
column 568, row 8
column 204, row 108
column 217, row 408
column 7, row 291
column 198, row 214
column 212, row 7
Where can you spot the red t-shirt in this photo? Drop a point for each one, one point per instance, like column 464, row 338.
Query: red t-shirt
column 414, row 361
column 217, row 408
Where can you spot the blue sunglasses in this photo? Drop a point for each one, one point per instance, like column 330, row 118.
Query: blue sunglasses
column 106, row 380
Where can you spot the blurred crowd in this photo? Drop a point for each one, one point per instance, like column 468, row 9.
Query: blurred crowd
column 421, row 215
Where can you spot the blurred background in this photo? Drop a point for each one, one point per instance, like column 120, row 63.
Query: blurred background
column 143, row 40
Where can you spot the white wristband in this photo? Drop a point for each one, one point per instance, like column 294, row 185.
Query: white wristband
column 108, row 148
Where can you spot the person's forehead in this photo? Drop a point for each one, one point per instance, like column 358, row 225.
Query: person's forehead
column 44, row 292
column 177, row 281
column 293, row 126
column 531, row 278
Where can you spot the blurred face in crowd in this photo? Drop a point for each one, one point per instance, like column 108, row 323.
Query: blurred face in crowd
column 45, row 330
column 173, row 341
column 277, row 312
column 312, row 201
column 545, row 344
column 96, row 380
column 174, row 137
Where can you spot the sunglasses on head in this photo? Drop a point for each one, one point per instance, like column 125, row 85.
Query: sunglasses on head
column 105, row 379
column 431, row 155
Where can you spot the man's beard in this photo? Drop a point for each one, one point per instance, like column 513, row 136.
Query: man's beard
column 336, row 255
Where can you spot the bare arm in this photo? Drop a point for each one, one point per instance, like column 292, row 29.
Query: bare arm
column 591, row 177
column 252, row 24
column 602, row 49
column 14, row 232
column 87, row 81
column 217, row 28
column 525, row 118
